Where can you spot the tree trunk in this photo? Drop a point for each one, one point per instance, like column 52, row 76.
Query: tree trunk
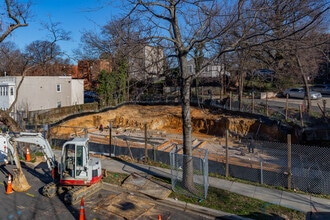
column 309, row 103
column 188, row 181
column 240, row 91
column 11, row 124
column 19, row 183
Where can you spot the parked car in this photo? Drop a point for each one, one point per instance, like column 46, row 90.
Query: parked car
column 91, row 96
column 301, row 93
column 264, row 74
column 322, row 88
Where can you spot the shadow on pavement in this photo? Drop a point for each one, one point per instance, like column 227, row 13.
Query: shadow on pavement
column 143, row 168
column 43, row 174
column 317, row 215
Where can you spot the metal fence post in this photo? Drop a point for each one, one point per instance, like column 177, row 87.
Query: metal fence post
column 110, row 136
column 301, row 115
column 286, row 106
column 289, row 161
column 227, row 154
column 261, row 172
column 266, row 103
column 154, row 151
column 252, row 103
column 324, row 107
column 230, row 99
column 145, row 143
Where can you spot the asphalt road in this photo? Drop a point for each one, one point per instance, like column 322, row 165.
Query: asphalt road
column 295, row 103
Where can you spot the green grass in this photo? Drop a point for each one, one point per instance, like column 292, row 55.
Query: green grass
column 225, row 201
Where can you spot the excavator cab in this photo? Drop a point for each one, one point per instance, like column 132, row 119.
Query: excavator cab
column 76, row 166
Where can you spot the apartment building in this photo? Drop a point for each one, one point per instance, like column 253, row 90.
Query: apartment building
column 146, row 63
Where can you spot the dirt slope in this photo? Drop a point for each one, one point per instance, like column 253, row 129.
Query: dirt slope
column 162, row 118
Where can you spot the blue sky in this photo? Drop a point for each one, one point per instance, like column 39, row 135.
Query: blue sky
column 74, row 16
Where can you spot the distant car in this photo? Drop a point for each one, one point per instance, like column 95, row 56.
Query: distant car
column 300, row 93
column 264, row 74
column 91, row 96
column 322, row 88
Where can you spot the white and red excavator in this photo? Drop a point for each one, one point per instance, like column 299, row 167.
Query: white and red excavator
column 76, row 174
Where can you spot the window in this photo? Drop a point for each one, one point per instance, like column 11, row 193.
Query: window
column 11, row 91
column 79, row 154
column 58, row 88
column 59, row 104
column 190, row 69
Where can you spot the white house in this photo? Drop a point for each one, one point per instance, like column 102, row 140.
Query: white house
column 40, row 92
column 213, row 70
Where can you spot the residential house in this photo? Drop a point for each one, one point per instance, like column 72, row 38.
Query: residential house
column 213, row 70
column 40, row 92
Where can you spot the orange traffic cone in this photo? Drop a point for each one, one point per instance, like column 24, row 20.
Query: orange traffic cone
column 9, row 186
column 27, row 156
column 82, row 210
column 159, row 217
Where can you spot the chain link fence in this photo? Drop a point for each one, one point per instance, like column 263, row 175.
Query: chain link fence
column 299, row 167
column 198, row 172
column 283, row 165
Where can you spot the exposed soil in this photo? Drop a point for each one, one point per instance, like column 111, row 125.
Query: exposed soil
column 167, row 119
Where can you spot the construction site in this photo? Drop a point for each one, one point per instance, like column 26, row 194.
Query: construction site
column 141, row 128
column 167, row 121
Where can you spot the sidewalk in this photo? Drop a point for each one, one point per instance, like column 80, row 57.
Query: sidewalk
column 315, row 208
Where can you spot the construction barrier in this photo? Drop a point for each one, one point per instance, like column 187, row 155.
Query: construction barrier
column 27, row 156
column 9, row 185
column 82, row 210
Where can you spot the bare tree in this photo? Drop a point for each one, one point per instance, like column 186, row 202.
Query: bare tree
column 120, row 40
column 307, row 58
column 45, row 53
column 182, row 25
column 12, row 61
column 14, row 15
column 290, row 24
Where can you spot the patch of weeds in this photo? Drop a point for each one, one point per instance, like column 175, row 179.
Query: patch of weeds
column 115, row 178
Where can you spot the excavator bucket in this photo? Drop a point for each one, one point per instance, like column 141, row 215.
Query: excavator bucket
column 19, row 183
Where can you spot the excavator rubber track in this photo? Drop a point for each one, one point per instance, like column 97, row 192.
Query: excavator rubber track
column 75, row 194
column 49, row 190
